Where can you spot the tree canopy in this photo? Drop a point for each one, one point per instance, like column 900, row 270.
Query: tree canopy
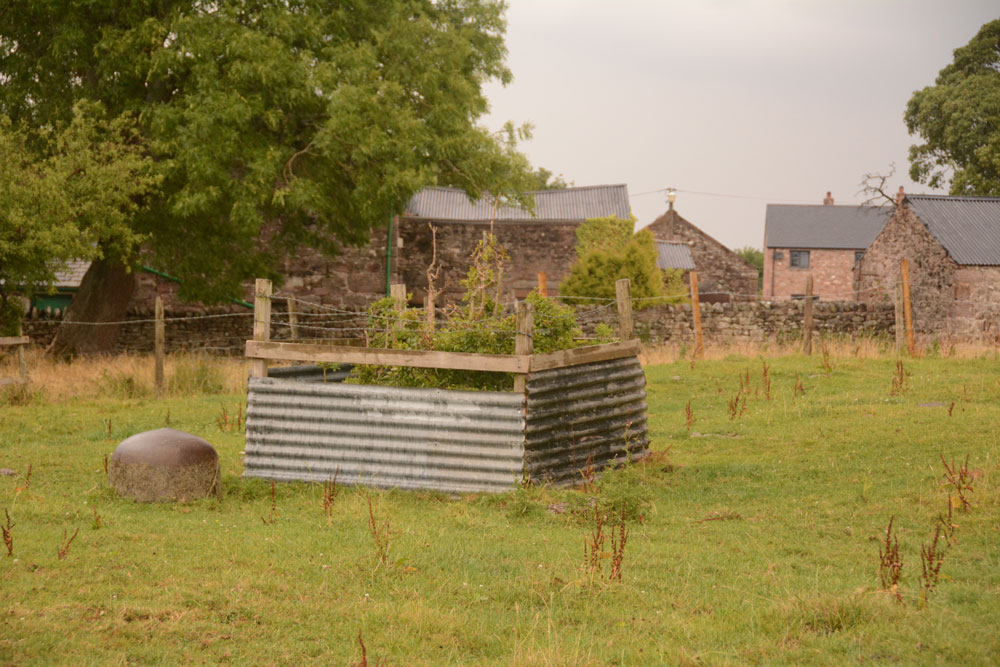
column 958, row 119
column 271, row 124
column 76, row 203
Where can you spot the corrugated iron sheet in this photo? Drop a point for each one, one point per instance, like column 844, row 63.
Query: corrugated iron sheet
column 597, row 201
column 456, row 441
column 595, row 411
column 673, row 255
column 967, row 227
column 311, row 373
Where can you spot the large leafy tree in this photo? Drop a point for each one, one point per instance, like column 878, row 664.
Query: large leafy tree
column 272, row 123
column 75, row 203
column 958, row 119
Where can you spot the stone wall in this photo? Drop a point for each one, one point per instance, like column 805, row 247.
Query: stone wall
column 722, row 274
column 947, row 299
column 759, row 321
column 533, row 246
column 832, row 271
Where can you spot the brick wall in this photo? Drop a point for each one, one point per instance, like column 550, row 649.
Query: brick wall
column 832, row 272
column 721, row 272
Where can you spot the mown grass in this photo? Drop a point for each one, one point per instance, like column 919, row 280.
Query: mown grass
column 753, row 539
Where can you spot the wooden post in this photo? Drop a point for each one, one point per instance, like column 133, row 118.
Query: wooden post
column 900, row 324
column 158, row 345
column 807, row 318
column 623, row 294
column 543, row 289
column 699, row 342
column 904, row 270
column 429, row 314
column 398, row 293
column 293, row 318
column 261, row 323
column 524, row 340
column 22, row 362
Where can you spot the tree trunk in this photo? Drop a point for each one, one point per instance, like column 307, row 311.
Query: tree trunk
column 104, row 295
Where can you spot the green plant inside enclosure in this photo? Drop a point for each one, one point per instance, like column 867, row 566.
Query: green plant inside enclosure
column 749, row 540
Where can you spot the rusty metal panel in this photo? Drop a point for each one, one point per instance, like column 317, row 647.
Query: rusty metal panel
column 456, row 441
column 593, row 411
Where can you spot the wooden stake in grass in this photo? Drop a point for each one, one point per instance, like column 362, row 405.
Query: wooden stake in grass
column 64, row 549
column 890, row 566
column 8, row 534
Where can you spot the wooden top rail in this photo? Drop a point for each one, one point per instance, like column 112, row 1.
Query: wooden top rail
column 14, row 340
column 462, row 361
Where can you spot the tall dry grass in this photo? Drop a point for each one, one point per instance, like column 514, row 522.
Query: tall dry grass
column 838, row 347
column 123, row 376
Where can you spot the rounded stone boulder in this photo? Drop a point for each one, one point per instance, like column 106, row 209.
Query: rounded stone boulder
column 164, row 464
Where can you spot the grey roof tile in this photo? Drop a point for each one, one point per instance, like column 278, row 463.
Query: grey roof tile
column 596, row 201
column 798, row 226
column 673, row 255
column 967, row 227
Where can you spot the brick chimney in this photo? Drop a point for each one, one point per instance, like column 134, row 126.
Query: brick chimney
column 899, row 196
column 828, row 200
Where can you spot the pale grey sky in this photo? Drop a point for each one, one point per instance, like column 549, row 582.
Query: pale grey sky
column 762, row 100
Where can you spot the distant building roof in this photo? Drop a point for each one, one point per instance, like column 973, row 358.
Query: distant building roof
column 798, row 226
column 673, row 255
column 71, row 274
column 598, row 201
column 967, row 227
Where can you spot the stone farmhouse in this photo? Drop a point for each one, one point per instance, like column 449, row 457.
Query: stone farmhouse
column 952, row 245
column 722, row 274
column 825, row 241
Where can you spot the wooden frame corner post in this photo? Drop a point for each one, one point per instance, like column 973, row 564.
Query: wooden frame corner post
column 524, row 340
column 261, row 323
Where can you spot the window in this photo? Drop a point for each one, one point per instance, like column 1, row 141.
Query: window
column 798, row 259
column 858, row 254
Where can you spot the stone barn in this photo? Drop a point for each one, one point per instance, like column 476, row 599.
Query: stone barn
column 722, row 274
column 825, row 241
column 952, row 245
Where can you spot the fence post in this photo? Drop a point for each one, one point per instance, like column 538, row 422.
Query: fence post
column 623, row 295
column 807, row 318
column 699, row 341
column 900, row 325
column 524, row 340
column 904, row 270
column 543, row 289
column 398, row 293
column 22, row 362
column 293, row 318
column 159, row 336
column 261, row 323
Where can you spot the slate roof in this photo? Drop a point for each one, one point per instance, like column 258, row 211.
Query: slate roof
column 847, row 227
column 673, row 255
column 71, row 274
column 569, row 204
column 967, row 227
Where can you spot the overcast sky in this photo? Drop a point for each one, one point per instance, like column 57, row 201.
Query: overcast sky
column 758, row 100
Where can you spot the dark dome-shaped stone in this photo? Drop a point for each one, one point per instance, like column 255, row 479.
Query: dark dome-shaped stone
column 164, row 464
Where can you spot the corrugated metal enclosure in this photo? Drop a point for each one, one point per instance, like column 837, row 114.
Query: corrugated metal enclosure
column 453, row 441
column 594, row 411
column 580, row 407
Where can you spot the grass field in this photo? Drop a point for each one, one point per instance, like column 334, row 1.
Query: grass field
column 752, row 539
